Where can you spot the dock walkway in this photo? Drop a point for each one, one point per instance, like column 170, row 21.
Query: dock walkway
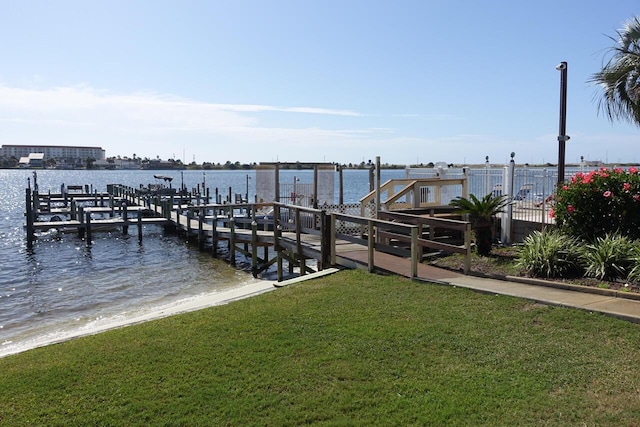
column 297, row 235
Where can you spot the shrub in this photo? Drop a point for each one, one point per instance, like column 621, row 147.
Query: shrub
column 634, row 273
column 481, row 213
column 610, row 257
column 598, row 203
column 550, row 253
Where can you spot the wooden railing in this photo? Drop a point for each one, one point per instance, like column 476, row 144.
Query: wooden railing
column 431, row 224
column 373, row 228
column 413, row 193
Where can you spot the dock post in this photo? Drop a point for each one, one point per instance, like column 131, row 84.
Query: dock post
column 467, row 245
column 74, row 210
column 277, row 232
column 254, row 248
column 415, row 251
column 371, row 245
column 232, row 242
column 214, row 237
column 188, row 228
column 81, row 228
column 333, row 240
column 88, row 228
column 325, row 239
column 125, row 225
column 29, row 215
column 36, row 202
column 301, row 259
column 201, row 229
column 139, row 226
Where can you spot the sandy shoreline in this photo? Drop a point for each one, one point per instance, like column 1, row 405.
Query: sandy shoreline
column 253, row 288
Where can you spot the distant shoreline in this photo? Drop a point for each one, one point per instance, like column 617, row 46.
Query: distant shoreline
column 344, row 167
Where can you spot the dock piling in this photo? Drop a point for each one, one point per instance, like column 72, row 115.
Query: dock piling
column 29, row 215
column 254, row 248
column 125, row 225
column 232, row 242
column 87, row 223
column 139, row 226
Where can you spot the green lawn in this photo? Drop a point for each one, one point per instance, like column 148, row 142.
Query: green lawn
column 347, row 349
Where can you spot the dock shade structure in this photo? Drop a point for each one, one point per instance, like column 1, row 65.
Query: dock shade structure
column 272, row 185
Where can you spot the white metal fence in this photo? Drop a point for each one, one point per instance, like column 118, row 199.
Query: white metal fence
column 530, row 189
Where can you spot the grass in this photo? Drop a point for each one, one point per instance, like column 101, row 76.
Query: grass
column 348, row 349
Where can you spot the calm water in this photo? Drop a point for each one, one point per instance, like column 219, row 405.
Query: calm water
column 61, row 285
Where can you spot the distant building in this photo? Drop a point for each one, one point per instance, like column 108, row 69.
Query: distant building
column 63, row 154
column 116, row 164
column 33, row 160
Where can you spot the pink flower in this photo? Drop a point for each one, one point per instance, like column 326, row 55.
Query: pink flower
column 552, row 213
column 626, row 186
column 571, row 209
column 587, row 179
column 636, row 197
column 607, row 194
column 618, row 170
column 633, row 169
column 565, row 187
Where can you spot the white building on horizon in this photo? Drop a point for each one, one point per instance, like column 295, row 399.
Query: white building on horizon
column 62, row 153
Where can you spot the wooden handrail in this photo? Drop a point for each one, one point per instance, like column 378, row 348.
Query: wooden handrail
column 413, row 185
column 375, row 228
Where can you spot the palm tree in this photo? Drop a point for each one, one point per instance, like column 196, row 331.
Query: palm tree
column 620, row 76
column 481, row 213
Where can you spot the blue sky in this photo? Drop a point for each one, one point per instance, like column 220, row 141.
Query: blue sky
column 311, row 80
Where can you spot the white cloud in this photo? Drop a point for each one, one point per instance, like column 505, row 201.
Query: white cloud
column 153, row 123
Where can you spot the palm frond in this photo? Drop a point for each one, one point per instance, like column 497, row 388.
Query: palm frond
column 619, row 79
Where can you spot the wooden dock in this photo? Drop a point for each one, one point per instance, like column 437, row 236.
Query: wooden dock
column 302, row 239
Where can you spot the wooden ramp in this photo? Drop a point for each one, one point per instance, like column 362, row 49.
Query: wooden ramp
column 394, row 264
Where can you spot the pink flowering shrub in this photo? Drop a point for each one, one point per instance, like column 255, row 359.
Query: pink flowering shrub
column 600, row 202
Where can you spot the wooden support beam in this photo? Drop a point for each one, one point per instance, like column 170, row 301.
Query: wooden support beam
column 254, row 248
column 139, row 226
column 87, row 223
column 370, row 245
column 232, row 242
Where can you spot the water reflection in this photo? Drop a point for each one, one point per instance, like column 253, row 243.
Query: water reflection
column 61, row 283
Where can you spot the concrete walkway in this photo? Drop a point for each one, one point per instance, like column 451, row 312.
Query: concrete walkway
column 623, row 305
column 611, row 304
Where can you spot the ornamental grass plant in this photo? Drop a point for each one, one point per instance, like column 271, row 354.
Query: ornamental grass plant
column 551, row 253
column 610, row 257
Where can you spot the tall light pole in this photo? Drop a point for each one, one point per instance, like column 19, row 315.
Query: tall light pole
column 562, row 132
